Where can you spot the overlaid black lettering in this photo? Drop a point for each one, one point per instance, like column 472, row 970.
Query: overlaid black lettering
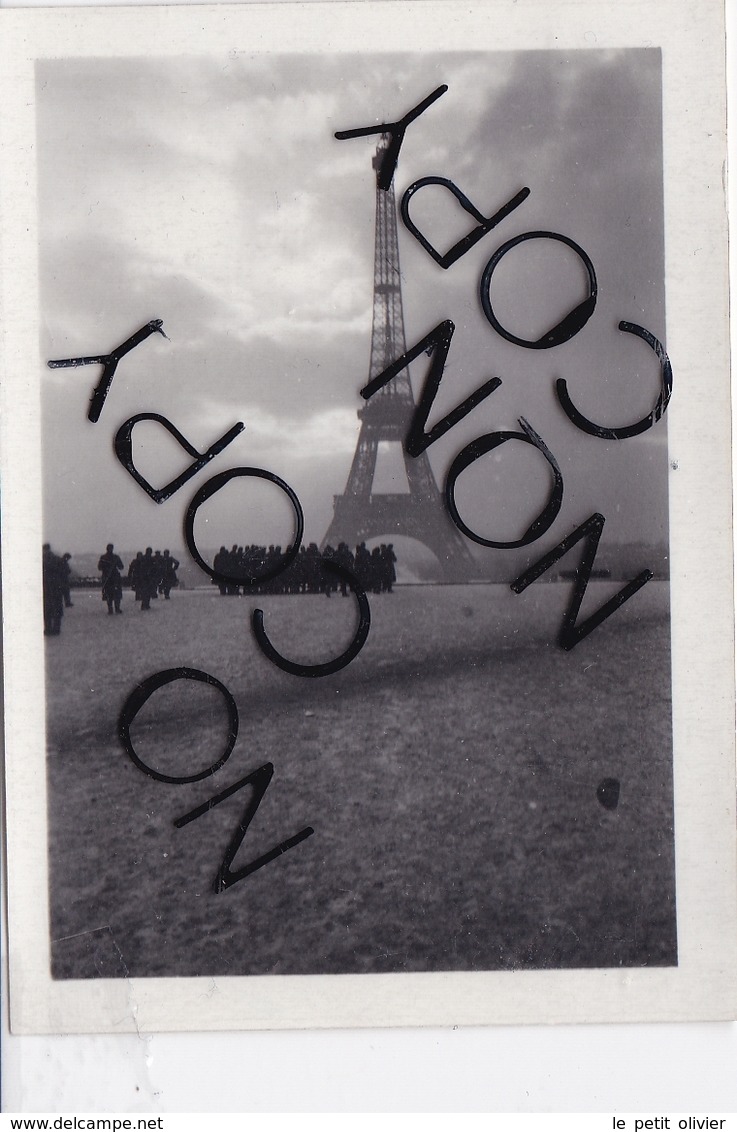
column 480, row 447
column 623, row 433
column 109, row 363
column 259, row 780
column 338, row 662
column 571, row 633
column 214, row 485
column 485, row 223
column 438, row 341
column 574, row 321
column 144, row 691
column 123, row 445
column 396, row 130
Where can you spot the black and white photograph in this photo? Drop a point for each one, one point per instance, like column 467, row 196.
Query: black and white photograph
column 353, row 383
column 481, row 798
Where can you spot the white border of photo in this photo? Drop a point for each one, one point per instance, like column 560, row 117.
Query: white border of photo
column 704, row 985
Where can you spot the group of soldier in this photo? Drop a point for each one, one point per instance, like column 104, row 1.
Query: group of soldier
column 152, row 574
column 374, row 570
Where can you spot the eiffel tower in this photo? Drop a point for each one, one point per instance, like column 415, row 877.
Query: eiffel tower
column 359, row 513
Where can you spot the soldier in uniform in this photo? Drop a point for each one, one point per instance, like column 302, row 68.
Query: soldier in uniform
column 169, row 580
column 133, row 574
column 66, row 572
column 147, row 579
column 344, row 557
column 389, row 575
column 159, row 568
column 362, row 562
column 53, row 591
column 110, row 566
column 219, row 564
column 232, row 568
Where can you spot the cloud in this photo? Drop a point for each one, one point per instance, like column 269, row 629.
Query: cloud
column 210, row 192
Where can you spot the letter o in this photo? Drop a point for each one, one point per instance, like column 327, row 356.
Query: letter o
column 214, row 485
column 574, row 321
column 141, row 694
column 480, row 447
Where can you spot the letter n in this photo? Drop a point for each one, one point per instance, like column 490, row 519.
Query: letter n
column 259, row 780
column 571, row 633
column 437, row 343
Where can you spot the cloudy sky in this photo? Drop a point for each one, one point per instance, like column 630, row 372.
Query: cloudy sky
column 210, row 192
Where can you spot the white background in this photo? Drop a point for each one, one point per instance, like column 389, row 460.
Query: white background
column 684, row 1068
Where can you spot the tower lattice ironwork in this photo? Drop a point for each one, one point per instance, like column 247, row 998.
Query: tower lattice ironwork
column 360, row 514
